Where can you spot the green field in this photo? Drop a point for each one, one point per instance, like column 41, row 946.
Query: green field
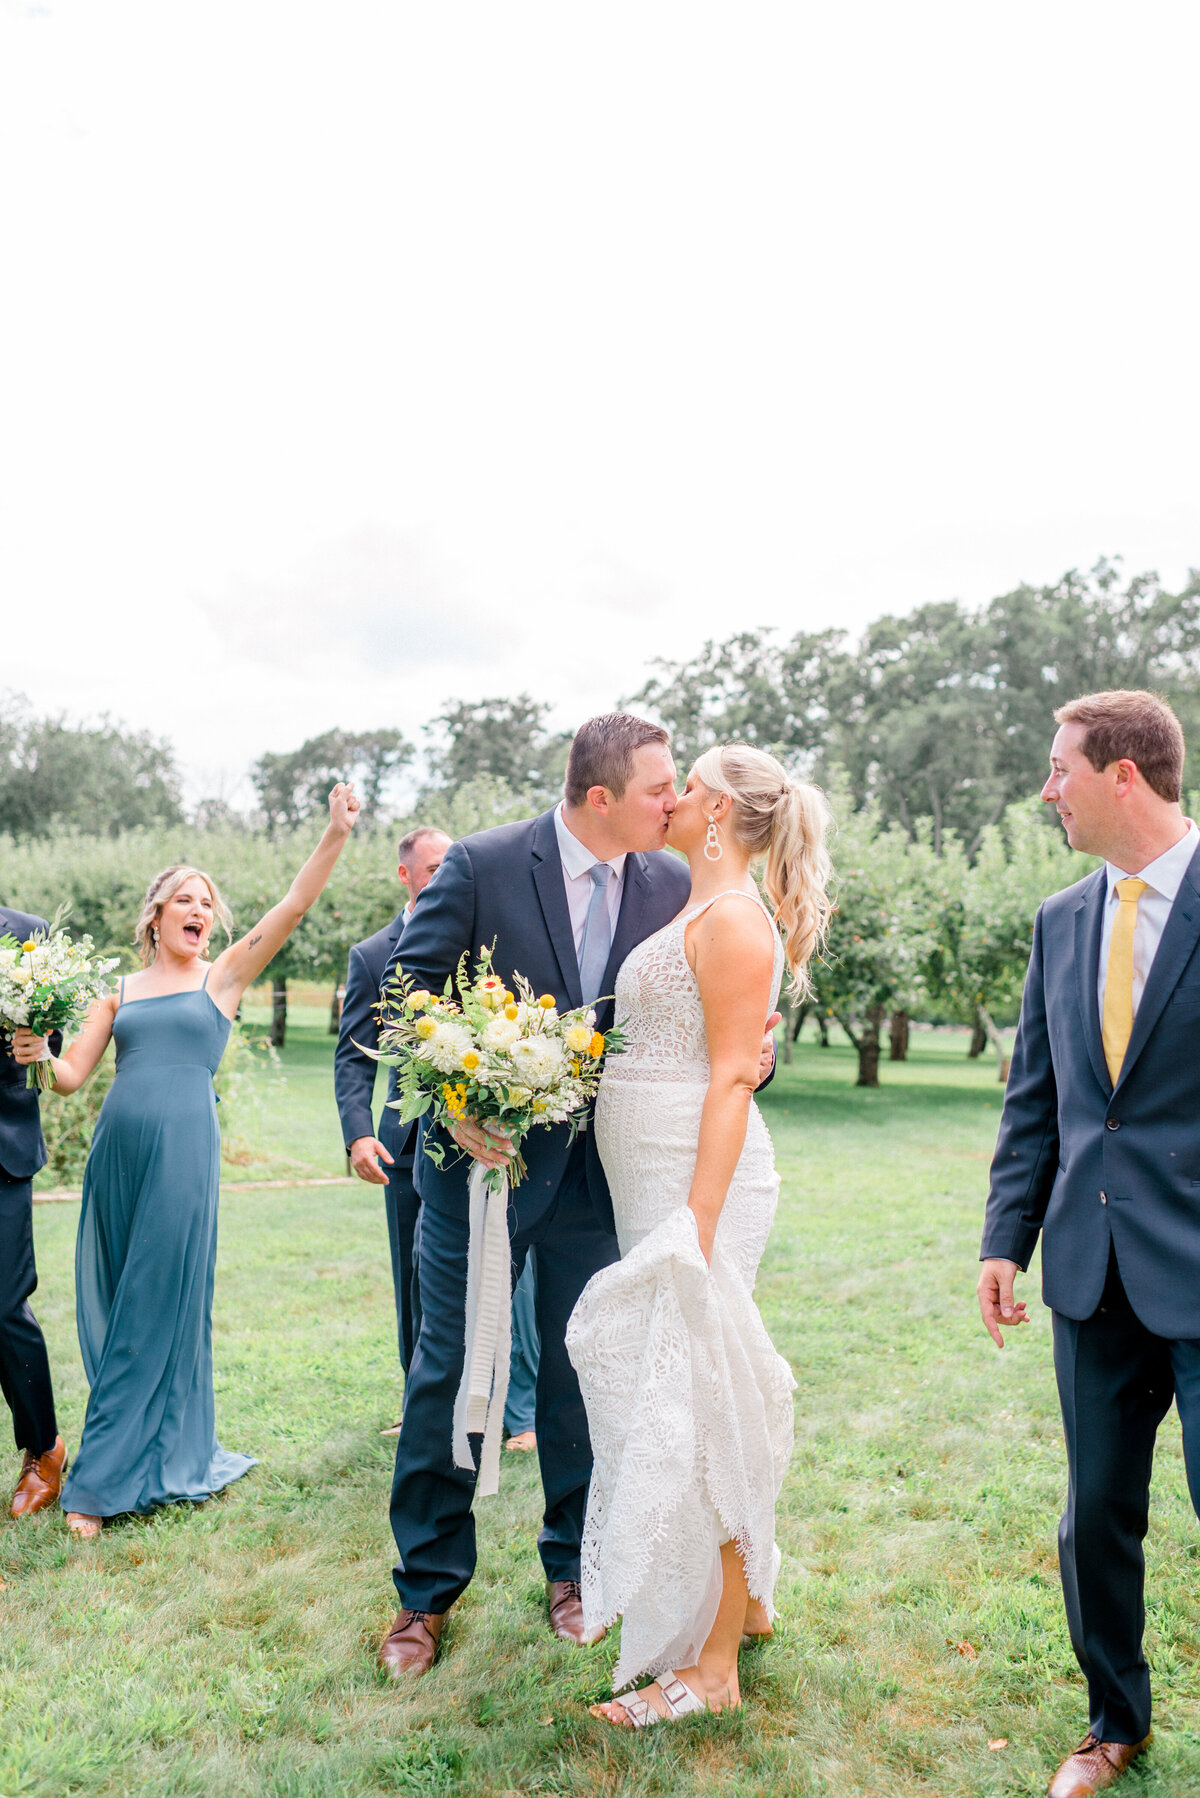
column 228, row 1649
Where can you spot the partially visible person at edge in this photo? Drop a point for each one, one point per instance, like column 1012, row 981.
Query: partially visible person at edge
column 1099, row 1154
column 564, row 897
column 385, row 1157
column 147, row 1240
column 24, row 1365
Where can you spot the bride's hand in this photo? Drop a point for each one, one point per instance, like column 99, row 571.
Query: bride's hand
column 484, row 1142
column 766, row 1059
column 706, row 1234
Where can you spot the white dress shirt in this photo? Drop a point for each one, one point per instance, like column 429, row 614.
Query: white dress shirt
column 577, row 859
column 1163, row 878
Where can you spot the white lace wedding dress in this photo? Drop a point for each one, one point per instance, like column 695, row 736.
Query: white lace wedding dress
column 689, row 1405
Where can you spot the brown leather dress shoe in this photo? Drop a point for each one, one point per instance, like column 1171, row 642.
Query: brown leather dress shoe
column 565, row 1603
column 410, row 1646
column 41, row 1480
column 1093, row 1766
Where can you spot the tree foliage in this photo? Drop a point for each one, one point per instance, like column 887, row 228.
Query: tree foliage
column 293, row 786
column 96, row 777
column 503, row 739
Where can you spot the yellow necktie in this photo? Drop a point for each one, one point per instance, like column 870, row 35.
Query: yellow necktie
column 1116, row 1027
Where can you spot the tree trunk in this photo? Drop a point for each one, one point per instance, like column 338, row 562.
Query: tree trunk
column 278, row 1013
column 979, row 1040
column 823, row 1029
column 793, row 1023
column 335, row 1010
column 868, row 1047
column 993, row 1035
column 898, row 1041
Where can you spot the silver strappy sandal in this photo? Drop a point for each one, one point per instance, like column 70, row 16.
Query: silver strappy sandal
column 678, row 1697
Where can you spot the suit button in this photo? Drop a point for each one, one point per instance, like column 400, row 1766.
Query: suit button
column 1112, row 1124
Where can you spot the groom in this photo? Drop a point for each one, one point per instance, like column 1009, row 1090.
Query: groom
column 565, row 897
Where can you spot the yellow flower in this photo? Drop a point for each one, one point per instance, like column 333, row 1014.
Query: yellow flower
column 596, row 1046
column 547, row 1001
column 509, row 998
column 578, row 1037
column 30, row 946
column 470, row 1061
column 425, row 1028
column 419, row 1000
column 512, row 1011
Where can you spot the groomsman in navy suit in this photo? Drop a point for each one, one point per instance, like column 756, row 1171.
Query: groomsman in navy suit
column 394, row 1145
column 24, row 1365
column 1099, row 1154
column 564, row 897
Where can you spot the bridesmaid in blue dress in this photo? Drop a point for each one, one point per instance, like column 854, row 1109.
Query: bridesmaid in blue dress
column 147, row 1241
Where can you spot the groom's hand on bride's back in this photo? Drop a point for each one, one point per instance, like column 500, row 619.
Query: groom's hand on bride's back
column 766, row 1060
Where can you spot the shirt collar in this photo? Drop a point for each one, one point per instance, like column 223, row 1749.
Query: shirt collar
column 1166, row 873
column 575, row 856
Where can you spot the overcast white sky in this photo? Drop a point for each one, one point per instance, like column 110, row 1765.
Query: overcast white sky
column 358, row 357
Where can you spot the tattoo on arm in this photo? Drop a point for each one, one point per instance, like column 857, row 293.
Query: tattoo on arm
column 251, row 941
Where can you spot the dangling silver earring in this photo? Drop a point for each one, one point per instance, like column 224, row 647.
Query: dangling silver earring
column 154, row 934
column 712, row 841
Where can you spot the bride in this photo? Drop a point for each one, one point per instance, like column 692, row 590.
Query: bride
column 688, row 1403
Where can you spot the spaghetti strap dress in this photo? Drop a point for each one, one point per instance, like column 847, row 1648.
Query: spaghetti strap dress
column 144, row 1265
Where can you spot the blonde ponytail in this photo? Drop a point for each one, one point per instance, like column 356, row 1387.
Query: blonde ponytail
column 786, row 821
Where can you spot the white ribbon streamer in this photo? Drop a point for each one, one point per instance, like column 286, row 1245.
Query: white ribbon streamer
column 483, row 1390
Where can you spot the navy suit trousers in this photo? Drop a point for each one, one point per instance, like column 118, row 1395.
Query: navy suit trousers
column 1116, row 1380
column 24, row 1365
column 432, row 1519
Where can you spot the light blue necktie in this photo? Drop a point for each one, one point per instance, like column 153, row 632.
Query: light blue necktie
column 597, row 937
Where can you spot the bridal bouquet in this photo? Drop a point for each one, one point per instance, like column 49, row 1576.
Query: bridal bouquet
column 498, row 1057
column 509, row 1060
column 47, row 983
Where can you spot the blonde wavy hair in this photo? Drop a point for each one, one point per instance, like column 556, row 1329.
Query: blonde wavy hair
column 787, row 821
column 162, row 888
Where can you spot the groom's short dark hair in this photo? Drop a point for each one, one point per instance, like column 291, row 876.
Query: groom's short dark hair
column 1130, row 724
column 602, row 753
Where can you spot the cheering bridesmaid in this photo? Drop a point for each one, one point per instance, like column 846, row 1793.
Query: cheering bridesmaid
column 147, row 1241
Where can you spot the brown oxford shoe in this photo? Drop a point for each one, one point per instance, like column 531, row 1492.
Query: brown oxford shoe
column 41, row 1480
column 565, row 1603
column 1093, row 1766
column 410, row 1646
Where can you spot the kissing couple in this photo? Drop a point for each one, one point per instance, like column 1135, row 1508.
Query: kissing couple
column 664, row 1413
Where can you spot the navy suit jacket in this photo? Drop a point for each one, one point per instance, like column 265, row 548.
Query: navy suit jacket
column 1086, row 1165
column 353, row 1072
column 506, row 885
column 22, row 1151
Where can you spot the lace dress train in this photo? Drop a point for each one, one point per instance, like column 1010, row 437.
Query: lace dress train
column 689, row 1404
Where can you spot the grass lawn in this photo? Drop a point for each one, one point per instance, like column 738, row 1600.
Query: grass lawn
column 228, row 1649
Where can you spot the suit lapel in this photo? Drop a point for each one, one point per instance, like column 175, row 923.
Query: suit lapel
column 1179, row 939
column 1089, row 917
column 636, row 890
column 552, row 897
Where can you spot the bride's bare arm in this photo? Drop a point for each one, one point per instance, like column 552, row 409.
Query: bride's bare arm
column 79, row 1062
column 732, row 951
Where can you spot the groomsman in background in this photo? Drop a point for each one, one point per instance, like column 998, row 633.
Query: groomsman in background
column 420, row 857
column 24, row 1365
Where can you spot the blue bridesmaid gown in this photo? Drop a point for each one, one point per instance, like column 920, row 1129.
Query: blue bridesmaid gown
column 144, row 1264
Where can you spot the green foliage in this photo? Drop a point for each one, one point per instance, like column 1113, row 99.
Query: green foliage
column 56, row 776
column 504, row 739
column 104, row 879
column 945, row 712
column 293, row 787
column 478, row 804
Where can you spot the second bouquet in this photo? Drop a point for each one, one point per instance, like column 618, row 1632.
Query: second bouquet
column 512, row 1061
